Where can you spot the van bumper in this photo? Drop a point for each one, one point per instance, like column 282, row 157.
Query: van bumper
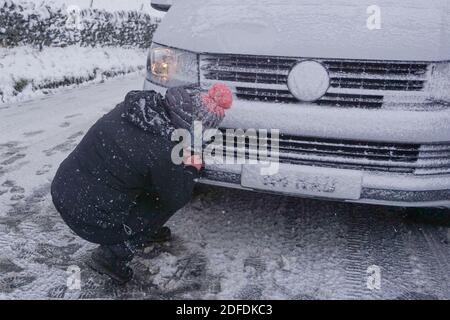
column 379, row 189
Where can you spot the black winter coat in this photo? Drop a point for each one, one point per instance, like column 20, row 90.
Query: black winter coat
column 125, row 155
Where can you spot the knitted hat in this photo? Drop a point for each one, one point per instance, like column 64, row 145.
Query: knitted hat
column 187, row 104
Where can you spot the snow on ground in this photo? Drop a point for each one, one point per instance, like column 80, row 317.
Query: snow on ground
column 227, row 243
column 26, row 72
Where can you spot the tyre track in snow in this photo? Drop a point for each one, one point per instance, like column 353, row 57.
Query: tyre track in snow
column 357, row 258
column 438, row 256
column 373, row 241
column 412, row 264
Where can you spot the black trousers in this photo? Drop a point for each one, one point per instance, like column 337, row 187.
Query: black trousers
column 141, row 223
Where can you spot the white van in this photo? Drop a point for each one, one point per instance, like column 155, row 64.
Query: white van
column 360, row 91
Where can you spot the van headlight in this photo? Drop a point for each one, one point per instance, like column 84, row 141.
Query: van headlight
column 171, row 67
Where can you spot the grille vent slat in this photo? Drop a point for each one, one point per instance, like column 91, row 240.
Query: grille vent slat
column 368, row 156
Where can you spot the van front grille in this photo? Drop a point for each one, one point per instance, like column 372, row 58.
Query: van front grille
column 354, row 83
column 346, row 154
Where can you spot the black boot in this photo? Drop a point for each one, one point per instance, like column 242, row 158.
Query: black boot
column 147, row 238
column 113, row 262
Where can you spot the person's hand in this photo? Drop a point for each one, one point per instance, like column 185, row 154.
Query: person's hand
column 192, row 160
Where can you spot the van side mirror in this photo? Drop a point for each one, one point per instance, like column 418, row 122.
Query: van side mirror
column 161, row 5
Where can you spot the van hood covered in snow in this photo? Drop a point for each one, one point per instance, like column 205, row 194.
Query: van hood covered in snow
column 410, row 29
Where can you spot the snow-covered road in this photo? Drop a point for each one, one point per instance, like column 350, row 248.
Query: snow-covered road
column 227, row 243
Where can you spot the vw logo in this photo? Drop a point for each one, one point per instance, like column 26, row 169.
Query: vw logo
column 309, row 81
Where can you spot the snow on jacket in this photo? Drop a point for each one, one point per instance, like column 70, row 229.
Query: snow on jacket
column 126, row 154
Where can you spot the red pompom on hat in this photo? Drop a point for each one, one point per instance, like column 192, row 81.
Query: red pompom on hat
column 222, row 95
column 218, row 99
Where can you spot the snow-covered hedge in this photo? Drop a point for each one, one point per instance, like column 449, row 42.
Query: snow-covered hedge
column 43, row 23
column 26, row 72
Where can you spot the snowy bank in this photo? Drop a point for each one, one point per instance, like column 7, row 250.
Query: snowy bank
column 26, row 72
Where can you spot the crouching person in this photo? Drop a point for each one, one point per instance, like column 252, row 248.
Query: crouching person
column 120, row 186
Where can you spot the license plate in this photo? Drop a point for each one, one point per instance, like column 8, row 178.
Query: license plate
column 307, row 181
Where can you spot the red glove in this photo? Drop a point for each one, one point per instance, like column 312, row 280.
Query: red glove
column 192, row 160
